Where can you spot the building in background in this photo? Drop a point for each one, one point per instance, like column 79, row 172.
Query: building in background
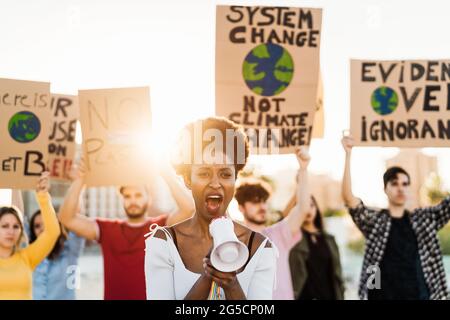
column 96, row 202
column 102, row 202
column 327, row 192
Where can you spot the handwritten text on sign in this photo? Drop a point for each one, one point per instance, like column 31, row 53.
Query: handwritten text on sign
column 62, row 145
column 116, row 128
column 24, row 129
column 267, row 67
column 401, row 103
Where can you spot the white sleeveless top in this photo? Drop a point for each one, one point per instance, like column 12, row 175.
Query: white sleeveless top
column 167, row 278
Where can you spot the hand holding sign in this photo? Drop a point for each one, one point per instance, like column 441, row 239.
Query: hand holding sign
column 43, row 185
column 348, row 142
column 78, row 171
column 303, row 156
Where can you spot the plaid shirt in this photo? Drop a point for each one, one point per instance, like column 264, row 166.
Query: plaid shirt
column 375, row 225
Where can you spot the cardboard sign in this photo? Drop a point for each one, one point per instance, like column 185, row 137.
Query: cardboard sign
column 62, row 145
column 319, row 116
column 115, row 125
column 24, row 129
column 400, row 103
column 267, row 70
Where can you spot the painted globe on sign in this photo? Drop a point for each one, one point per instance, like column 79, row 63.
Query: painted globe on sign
column 268, row 69
column 24, row 127
column 384, row 100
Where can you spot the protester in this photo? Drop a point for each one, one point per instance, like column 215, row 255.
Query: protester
column 402, row 255
column 177, row 264
column 122, row 241
column 252, row 199
column 315, row 261
column 17, row 263
column 57, row 276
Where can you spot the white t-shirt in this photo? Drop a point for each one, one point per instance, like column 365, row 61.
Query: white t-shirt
column 167, row 278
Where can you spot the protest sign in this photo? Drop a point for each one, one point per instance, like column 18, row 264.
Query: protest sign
column 400, row 103
column 24, row 130
column 62, row 145
column 267, row 70
column 115, row 125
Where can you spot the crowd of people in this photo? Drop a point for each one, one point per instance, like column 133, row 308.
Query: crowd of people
column 157, row 255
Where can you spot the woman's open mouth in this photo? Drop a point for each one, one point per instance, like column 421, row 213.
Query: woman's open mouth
column 213, row 203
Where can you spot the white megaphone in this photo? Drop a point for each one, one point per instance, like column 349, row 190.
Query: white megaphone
column 228, row 253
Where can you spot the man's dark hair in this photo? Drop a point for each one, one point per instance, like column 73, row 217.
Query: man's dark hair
column 121, row 188
column 239, row 143
column 318, row 220
column 392, row 174
column 252, row 191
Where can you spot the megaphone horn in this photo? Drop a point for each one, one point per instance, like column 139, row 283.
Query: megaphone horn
column 228, row 253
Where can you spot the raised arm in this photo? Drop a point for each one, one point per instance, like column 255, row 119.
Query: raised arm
column 298, row 213
column 350, row 200
column 291, row 204
column 439, row 213
column 182, row 196
column 39, row 249
column 69, row 214
column 364, row 217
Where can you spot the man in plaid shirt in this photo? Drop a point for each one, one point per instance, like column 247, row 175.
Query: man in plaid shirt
column 402, row 258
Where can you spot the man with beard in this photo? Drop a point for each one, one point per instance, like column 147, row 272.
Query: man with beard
column 122, row 241
column 252, row 199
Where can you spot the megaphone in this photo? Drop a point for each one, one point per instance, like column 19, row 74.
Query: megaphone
column 228, row 253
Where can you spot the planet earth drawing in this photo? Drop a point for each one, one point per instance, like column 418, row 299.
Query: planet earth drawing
column 268, row 69
column 24, row 126
column 384, row 100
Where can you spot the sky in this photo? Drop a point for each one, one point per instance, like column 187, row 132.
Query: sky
column 169, row 46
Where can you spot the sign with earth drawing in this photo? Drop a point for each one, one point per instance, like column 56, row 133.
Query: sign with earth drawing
column 267, row 73
column 62, row 145
column 400, row 103
column 24, row 129
column 115, row 125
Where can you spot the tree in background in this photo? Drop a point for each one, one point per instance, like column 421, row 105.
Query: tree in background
column 435, row 193
column 433, row 189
